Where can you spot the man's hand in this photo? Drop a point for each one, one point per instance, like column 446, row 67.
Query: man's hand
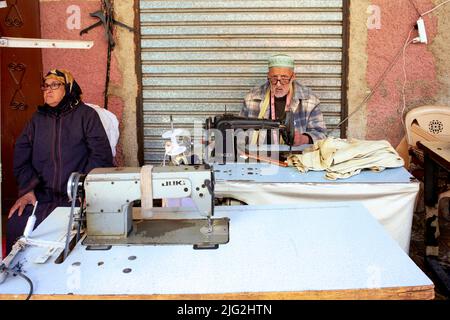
column 22, row 202
column 300, row 139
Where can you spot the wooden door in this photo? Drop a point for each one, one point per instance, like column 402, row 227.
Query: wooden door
column 21, row 73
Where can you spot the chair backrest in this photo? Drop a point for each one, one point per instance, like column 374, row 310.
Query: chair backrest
column 111, row 125
column 428, row 123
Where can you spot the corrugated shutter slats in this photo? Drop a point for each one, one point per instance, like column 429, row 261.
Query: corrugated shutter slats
column 200, row 57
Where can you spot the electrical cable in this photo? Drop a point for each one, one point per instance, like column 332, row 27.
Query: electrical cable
column 16, row 272
column 405, row 79
column 375, row 88
column 407, row 42
column 429, row 11
column 20, row 274
column 380, row 80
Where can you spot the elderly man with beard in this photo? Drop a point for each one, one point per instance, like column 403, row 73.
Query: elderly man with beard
column 283, row 95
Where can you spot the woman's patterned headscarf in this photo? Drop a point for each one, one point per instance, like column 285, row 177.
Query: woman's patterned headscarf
column 73, row 90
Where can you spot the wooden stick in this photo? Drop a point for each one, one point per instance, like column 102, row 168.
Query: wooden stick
column 264, row 159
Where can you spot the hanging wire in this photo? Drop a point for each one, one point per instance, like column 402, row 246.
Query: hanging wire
column 415, row 7
column 381, row 79
column 375, row 88
column 405, row 79
column 429, row 11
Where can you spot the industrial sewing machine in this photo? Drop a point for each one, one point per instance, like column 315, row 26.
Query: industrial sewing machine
column 110, row 194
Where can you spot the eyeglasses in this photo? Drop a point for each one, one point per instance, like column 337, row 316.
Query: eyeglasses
column 283, row 80
column 53, row 86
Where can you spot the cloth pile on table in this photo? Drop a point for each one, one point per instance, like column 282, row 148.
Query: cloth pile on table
column 345, row 158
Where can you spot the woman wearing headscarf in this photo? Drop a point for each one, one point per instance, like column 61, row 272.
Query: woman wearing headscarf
column 63, row 136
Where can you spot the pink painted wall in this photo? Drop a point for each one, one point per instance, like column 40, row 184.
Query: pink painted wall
column 384, row 110
column 87, row 66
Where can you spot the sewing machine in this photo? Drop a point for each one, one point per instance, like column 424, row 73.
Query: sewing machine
column 235, row 135
column 111, row 193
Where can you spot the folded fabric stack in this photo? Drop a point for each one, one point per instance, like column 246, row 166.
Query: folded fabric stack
column 345, row 158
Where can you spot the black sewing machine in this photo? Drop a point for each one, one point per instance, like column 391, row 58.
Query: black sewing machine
column 235, row 136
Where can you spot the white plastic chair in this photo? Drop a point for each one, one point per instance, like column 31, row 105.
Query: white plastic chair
column 428, row 123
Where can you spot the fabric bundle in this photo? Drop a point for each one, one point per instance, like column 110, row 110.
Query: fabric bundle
column 345, row 158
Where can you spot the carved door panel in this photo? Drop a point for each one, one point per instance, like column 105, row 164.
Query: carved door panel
column 21, row 72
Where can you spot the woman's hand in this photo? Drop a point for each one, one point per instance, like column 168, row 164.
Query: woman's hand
column 22, row 202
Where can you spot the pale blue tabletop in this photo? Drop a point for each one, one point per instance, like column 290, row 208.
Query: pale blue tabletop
column 267, row 173
column 291, row 248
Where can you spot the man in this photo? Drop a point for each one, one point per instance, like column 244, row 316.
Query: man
column 282, row 94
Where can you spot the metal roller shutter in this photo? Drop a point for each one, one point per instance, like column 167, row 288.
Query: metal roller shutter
column 201, row 57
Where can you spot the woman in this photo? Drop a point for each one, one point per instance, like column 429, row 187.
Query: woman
column 62, row 137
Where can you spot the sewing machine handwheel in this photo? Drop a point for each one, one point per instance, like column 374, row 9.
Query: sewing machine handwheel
column 75, row 183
